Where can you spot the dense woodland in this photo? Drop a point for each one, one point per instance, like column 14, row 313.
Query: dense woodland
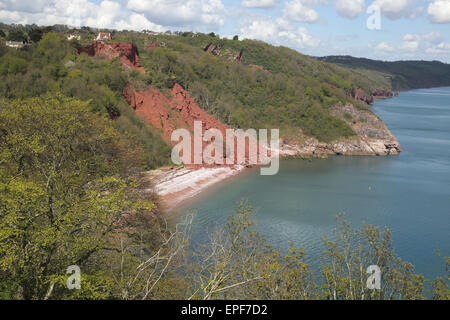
column 71, row 191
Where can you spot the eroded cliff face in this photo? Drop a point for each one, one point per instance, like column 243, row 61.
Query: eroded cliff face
column 173, row 110
column 382, row 94
column 176, row 109
column 373, row 137
column 358, row 94
column 127, row 52
column 167, row 112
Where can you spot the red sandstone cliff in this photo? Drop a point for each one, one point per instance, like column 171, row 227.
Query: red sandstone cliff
column 178, row 110
column 382, row 94
column 127, row 52
column 358, row 94
column 174, row 110
column 168, row 112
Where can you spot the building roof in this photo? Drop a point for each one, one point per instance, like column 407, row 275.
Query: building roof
column 104, row 35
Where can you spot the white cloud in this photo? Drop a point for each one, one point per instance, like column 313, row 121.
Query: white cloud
column 431, row 42
column 278, row 32
column 349, row 8
column 30, row 6
column 107, row 14
column 398, row 9
column 410, row 42
column 264, row 4
column 433, row 37
column 383, row 46
column 410, row 37
column 441, row 48
column 181, row 13
column 410, row 46
column 439, row 11
column 301, row 11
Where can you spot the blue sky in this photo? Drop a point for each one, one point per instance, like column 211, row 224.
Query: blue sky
column 409, row 29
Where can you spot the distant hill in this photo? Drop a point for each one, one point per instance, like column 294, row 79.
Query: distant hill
column 404, row 74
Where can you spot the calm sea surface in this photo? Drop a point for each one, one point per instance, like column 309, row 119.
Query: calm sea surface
column 410, row 194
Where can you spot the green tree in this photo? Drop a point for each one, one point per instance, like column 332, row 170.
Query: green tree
column 63, row 198
column 17, row 35
column 35, row 34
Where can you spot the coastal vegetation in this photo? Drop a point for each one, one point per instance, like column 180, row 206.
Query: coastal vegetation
column 268, row 87
column 71, row 190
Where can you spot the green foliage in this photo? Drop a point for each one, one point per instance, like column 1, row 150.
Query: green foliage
column 51, row 66
column 63, row 194
column 273, row 87
column 238, row 263
column 70, row 147
column 11, row 65
column 36, row 34
column 17, row 35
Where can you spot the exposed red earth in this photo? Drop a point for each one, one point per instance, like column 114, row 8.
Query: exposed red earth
column 127, row 52
column 168, row 112
column 174, row 110
column 151, row 45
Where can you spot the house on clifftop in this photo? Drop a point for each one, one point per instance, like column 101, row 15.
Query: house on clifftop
column 15, row 44
column 103, row 36
column 71, row 36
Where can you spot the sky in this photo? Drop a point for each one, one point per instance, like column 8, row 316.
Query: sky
column 376, row 29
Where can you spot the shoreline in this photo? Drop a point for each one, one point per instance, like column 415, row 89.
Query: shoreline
column 176, row 185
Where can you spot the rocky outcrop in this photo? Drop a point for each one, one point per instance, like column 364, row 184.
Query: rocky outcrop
column 382, row 94
column 372, row 137
column 127, row 52
column 238, row 58
column 151, row 45
column 213, row 49
column 358, row 94
column 330, row 85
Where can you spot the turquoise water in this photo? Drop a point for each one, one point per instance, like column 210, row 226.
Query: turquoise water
column 410, row 193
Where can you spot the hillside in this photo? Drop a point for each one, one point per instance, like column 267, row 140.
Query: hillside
column 81, row 121
column 403, row 74
column 237, row 84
